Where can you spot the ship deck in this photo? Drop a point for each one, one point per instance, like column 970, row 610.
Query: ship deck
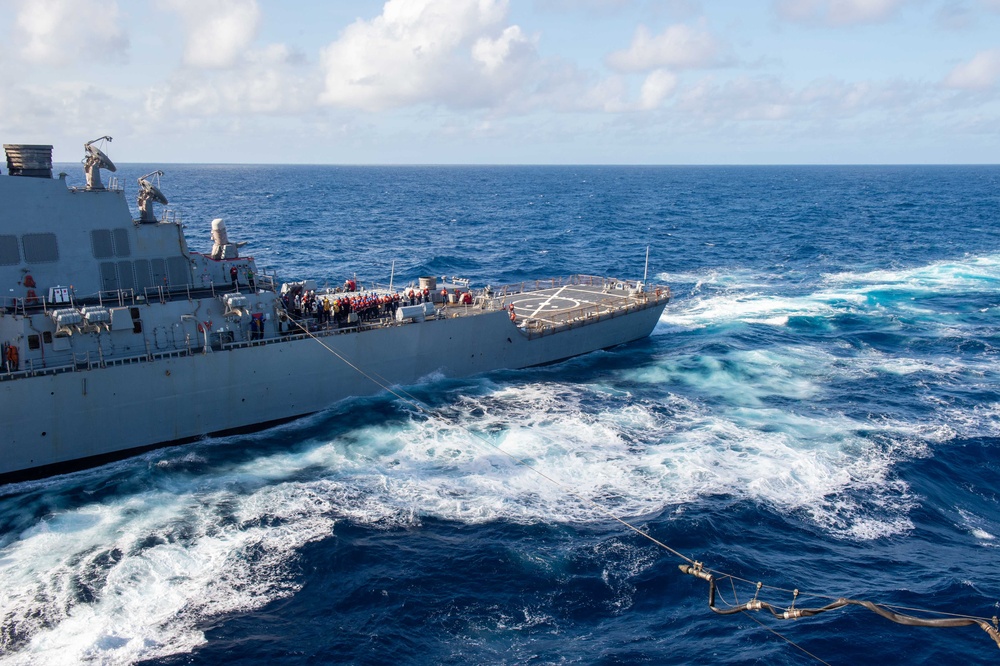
column 554, row 304
column 550, row 305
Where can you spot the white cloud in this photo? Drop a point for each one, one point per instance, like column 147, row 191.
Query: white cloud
column 679, row 46
column 493, row 53
column 837, row 13
column 219, row 32
column 659, row 84
column 980, row 73
column 60, row 32
column 817, row 107
column 614, row 94
column 270, row 81
column 450, row 52
column 594, row 6
column 226, row 76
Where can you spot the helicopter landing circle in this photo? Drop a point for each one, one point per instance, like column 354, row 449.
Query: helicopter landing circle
column 544, row 303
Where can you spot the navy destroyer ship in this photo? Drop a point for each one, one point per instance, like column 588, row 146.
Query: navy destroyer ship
column 116, row 337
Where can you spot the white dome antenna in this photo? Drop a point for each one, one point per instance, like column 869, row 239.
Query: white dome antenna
column 148, row 195
column 94, row 161
column 221, row 247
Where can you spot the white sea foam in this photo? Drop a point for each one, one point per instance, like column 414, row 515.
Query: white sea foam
column 746, row 380
column 975, row 525
column 626, row 456
column 742, row 297
column 130, row 579
column 748, row 376
column 981, row 420
column 716, row 278
column 970, row 273
column 727, row 307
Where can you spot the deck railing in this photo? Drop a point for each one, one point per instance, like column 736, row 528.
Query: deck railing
column 554, row 283
column 632, row 300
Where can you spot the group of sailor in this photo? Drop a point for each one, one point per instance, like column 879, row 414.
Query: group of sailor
column 335, row 308
column 326, row 310
column 465, row 298
column 417, row 296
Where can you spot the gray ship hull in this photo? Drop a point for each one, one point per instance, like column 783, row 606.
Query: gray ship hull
column 76, row 418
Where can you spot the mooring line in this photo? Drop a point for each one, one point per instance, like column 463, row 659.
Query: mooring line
column 694, row 568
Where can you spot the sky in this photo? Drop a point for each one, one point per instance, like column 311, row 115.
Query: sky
column 505, row 81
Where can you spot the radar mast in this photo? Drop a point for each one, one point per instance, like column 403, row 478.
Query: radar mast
column 148, row 195
column 94, row 161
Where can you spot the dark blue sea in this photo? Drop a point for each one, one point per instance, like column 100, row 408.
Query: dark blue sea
column 818, row 409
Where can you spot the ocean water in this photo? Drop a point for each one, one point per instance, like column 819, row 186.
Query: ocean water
column 818, row 409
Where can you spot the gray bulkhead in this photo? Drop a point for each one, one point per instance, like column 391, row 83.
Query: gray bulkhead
column 72, row 248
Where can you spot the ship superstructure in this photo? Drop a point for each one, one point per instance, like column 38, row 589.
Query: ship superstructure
column 116, row 337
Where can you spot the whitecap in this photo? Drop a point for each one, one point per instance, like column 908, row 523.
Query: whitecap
column 132, row 578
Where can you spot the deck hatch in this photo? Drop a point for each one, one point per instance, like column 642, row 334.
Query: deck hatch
column 179, row 270
column 100, row 242
column 143, row 279
column 120, row 237
column 126, row 279
column 40, row 248
column 10, row 254
column 109, row 276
